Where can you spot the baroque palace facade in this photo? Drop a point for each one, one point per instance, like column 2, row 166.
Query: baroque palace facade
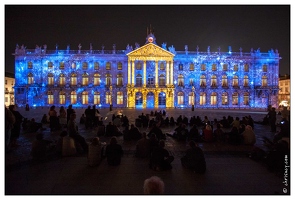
column 147, row 76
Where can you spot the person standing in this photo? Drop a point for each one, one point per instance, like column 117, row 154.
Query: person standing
column 53, row 119
column 272, row 119
column 70, row 111
column 15, row 131
column 9, row 122
column 114, row 152
column 62, row 117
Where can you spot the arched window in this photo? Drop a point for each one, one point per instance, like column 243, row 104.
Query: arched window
column 180, row 67
column 73, row 79
column 96, row 98
column 203, row 81
column 180, row 80
column 203, row 67
column 246, row 68
column 224, row 67
column 264, row 68
column 191, row 98
column 74, row 65
column 120, row 80
column 108, row 79
column 85, row 97
column 50, row 79
column 96, row 65
column 138, row 66
column 214, row 68
column 246, row 81
column 61, row 65
column 119, row 66
column 50, row 65
column 264, row 81
column 235, row 81
column 246, row 99
column 62, row 79
column 108, row 66
column 191, row 81
column 162, row 67
column 96, row 79
column 224, row 98
column 236, row 68
column 192, row 67
column 213, row 81
column 73, row 97
column 138, row 81
column 85, row 66
column 180, row 98
column 203, row 98
column 235, row 98
column 224, row 81
column 108, row 98
column 84, row 79
column 213, row 98
column 62, row 97
column 162, row 80
column 119, row 98
column 50, row 97
column 30, row 78
column 30, row 65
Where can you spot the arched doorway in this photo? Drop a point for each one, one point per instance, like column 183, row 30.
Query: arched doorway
column 150, row 100
column 162, row 99
column 138, row 99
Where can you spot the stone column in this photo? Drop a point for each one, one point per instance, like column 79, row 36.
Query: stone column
column 171, row 72
column 129, row 72
column 144, row 73
column 167, row 73
column 156, row 73
column 133, row 73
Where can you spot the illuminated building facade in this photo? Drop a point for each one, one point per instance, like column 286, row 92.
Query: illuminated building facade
column 148, row 76
column 8, row 89
column 284, row 92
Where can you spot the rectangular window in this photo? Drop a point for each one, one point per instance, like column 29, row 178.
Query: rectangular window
column 84, row 99
column 30, row 65
column 6, row 99
column 62, row 99
column 108, row 99
column 5, row 82
column 203, row 67
column 119, row 99
column 180, row 100
column 202, row 99
column 50, row 99
column 73, row 98
column 61, row 65
column 191, row 100
column 224, row 68
column 236, row 68
column 96, row 99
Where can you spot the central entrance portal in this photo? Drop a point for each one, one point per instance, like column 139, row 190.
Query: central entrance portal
column 150, row 100
column 162, row 100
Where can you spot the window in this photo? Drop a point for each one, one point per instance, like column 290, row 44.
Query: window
column 30, row 78
column 235, row 81
column 30, row 65
column 202, row 98
column 96, row 66
column 203, row 81
column 191, row 81
column 180, row 98
column 192, row 67
column 108, row 66
column 50, row 79
column 5, row 82
column 138, row 66
column 224, row 98
column 264, row 68
column 162, row 80
column 50, row 65
column 73, row 79
column 224, row 81
column 246, row 99
column 264, row 81
column 138, row 81
column 246, row 81
column 246, row 68
column 108, row 98
column 180, row 67
column 224, row 67
column 236, row 68
column 119, row 66
column 108, row 80
column 62, row 79
column 73, row 65
column 213, row 81
column 96, row 98
column 50, row 98
column 85, row 97
column 191, row 99
column 61, row 65
column 6, row 99
column 84, row 79
column 150, row 80
column 203, row 67
column 120, row 80
column 119, row 98
column 162, row 67
column 73, row 97
column 96, row 79
column 235, row 98
column 213, row 98
column 180, row 80
column 85, row 66
column 62, row 97
column 214, row 68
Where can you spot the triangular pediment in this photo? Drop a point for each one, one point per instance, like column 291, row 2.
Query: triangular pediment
column 150, row 50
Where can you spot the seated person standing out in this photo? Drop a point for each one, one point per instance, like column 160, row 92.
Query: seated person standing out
column 114, row 152
column 40, row 147
column 160, row 158
column 94, row 152
column 143, row 147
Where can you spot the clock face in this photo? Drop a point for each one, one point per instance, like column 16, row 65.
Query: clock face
column 150, row 39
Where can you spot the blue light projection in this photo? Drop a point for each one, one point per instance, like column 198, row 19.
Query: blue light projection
column 34, row 90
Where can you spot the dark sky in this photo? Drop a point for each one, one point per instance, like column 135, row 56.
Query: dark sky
column 246, row 26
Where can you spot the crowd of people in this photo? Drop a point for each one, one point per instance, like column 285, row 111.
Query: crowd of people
column 150, row 144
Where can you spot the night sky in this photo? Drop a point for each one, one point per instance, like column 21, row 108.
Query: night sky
column 265, row 27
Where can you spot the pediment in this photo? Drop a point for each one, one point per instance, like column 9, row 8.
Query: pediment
column 150, row 50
